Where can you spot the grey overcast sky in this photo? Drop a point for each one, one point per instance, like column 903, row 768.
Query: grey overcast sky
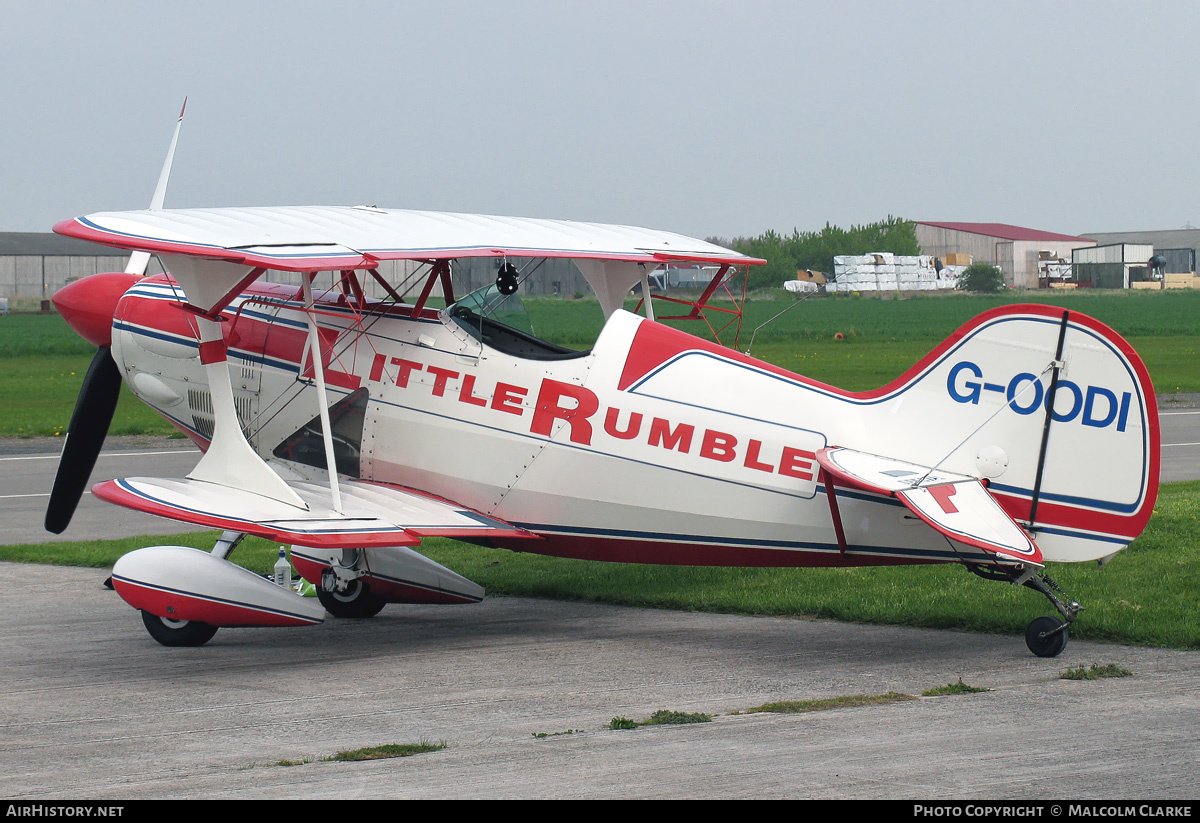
column 703, row 117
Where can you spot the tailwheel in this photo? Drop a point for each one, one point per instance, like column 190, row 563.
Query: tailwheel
column 354, row 601
column 1046, row 636
column 177, row 632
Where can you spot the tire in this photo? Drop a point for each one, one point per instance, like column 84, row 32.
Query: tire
column 177, row 632
column 1050, row 646
column 356, row 602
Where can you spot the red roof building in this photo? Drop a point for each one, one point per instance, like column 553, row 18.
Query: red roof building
column 1015, row 249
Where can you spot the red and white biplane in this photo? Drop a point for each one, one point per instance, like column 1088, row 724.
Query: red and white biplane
column 352, row 427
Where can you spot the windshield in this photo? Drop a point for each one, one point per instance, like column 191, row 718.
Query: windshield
column 502, row 322
column 502, row 308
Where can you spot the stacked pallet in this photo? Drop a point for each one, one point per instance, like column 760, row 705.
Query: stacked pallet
column 884, row 271
column 1185, row 280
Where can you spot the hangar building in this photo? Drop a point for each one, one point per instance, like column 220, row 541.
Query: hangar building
column 34, row 265
column 1178, row 247
column 1014, row 249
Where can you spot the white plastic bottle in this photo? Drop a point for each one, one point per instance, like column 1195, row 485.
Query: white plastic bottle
column 283, row 570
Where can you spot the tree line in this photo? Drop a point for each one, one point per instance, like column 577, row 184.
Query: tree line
column 815, row 250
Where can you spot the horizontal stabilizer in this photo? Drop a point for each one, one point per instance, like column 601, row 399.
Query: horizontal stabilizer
column 957, row 505
column 372, row 515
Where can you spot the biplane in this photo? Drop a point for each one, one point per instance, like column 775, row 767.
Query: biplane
column 350, row 418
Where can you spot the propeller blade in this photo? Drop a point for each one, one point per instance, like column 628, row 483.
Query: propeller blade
column 89, row 425
column 101, row 387
column 139, row 260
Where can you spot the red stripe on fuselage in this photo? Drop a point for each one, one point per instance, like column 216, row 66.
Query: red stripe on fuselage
column 1107, row 524
column 670, row 553
column 655, row 344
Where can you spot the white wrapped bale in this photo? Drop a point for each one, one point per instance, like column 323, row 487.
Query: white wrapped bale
column 798, row 286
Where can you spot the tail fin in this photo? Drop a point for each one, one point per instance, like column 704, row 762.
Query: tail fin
column 1082, row 479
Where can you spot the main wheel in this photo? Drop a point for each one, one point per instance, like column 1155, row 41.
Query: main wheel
column 355, row 601
column 1040, row 642
column 177, row 632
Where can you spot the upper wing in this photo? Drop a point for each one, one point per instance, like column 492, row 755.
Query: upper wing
column 372, row 515
column 320, row 238
column 956, row 505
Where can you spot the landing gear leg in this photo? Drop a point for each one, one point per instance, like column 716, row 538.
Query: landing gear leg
column 344, row 592
column 226, row 543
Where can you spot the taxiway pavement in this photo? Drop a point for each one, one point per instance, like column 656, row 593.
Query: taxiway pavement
column 94, row 709
column 27, row 469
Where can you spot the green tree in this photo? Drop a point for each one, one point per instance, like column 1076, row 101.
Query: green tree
column 981, row 277
column 816, row 249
